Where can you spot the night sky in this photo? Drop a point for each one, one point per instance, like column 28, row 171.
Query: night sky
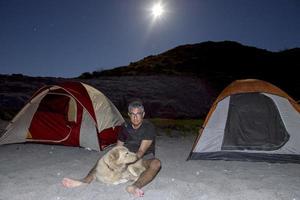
column 64, row 38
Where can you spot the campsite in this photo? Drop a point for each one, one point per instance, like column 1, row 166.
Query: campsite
column 65, row 123
column 249, row 120
column 35, row 171
column 180, row 104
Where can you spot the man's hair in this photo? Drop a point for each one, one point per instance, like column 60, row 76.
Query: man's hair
column 136, row 104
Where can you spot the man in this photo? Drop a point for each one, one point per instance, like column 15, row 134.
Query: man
column 138, row 136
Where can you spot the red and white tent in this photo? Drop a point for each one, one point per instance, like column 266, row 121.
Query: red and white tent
column 71, row 113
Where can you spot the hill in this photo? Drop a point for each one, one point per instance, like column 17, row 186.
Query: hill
column 179, row 83
column 219, row 63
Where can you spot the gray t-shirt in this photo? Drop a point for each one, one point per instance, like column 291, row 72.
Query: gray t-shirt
column 132, row 138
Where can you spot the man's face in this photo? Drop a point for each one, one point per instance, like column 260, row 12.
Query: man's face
column 136, row 116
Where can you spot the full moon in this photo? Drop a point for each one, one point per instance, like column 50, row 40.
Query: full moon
column 157, row 10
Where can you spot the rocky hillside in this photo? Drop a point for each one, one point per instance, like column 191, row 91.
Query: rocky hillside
column 163, row 96
column 16, row 89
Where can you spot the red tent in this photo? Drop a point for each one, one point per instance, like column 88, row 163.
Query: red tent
column 71, row 113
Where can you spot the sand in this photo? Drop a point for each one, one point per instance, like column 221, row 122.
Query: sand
column 35, row 171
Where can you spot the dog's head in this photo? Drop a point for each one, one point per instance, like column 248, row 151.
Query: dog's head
column 119, row 156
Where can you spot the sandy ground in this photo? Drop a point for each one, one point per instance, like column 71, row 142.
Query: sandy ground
column 35, row 171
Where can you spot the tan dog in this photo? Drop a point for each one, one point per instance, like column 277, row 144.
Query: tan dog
column 119, row 165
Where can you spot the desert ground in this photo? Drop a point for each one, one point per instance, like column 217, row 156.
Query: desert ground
column 35, row 171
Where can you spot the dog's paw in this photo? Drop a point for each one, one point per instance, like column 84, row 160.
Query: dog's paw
column 120, row 181
column 133, row 171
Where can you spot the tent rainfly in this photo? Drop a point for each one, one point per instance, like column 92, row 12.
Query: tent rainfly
column 250, row 120
column 71, row 113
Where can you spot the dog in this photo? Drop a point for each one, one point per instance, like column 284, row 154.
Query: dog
column 119, row 165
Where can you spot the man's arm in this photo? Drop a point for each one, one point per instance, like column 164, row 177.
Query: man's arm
column 145, row 144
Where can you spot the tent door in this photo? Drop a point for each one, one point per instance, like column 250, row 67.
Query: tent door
column 52, row 121
column 253, row 123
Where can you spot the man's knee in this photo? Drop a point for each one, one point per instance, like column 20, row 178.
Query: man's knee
column 155, row 164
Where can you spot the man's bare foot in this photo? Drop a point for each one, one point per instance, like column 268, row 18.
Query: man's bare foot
column 70, row 183
column 135, row 191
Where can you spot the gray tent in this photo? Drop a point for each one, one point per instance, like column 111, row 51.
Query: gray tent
column 251, row 120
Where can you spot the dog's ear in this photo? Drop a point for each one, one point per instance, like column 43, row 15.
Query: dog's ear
column 114, row 155
column 112, row 160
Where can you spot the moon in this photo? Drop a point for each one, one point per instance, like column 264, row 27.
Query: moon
column 157, row 10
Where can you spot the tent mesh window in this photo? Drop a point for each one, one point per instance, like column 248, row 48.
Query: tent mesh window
column 253, row 123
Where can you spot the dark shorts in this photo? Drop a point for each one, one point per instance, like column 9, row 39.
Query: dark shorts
column 148, row 156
